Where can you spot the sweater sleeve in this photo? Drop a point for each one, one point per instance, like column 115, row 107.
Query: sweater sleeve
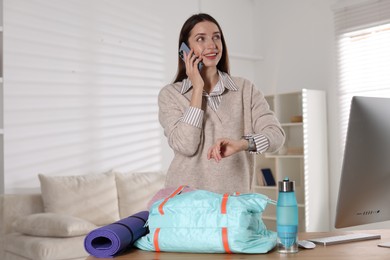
column 181, row 129
column 264, row 121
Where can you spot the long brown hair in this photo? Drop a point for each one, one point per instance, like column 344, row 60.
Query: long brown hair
column 223, row 64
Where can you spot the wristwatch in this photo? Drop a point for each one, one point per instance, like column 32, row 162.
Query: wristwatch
column 251, row 143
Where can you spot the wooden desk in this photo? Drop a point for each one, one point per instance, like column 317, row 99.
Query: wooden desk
column 356, row 250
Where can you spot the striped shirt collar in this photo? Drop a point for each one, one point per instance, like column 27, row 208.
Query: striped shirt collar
column 224, row 78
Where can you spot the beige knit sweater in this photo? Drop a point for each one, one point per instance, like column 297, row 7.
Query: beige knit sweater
column 241, row 112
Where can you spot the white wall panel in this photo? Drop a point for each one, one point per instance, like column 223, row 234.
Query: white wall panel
column 296, row 41
column 82, row 79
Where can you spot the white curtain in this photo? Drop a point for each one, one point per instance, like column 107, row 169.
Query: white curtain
column 81, row 85
column 363, row 54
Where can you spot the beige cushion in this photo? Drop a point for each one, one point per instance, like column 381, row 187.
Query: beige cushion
column 135, row 189
column 92, row 197
column 44, row 248
column 52, row 225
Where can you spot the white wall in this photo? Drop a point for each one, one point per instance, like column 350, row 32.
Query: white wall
column 295, row 38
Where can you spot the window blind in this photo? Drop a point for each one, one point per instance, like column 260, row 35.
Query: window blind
column 81, row 86
column 363, row 54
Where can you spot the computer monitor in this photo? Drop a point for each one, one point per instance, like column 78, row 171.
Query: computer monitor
column 364, row 193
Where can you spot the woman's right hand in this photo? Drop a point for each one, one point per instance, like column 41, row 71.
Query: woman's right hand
column 192, row 70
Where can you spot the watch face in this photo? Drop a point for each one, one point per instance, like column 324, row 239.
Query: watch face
column 252, row 144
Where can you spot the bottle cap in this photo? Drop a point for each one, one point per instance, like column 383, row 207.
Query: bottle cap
column 286, row 185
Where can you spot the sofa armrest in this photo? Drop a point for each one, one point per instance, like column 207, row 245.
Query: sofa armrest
column 17, row 205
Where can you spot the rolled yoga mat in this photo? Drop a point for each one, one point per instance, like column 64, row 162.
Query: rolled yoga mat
column 111, row 240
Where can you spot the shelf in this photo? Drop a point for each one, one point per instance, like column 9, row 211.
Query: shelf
column 302, row 158
column 291, row 124
column 269, row 217
column 285, row 156
column 265, row 187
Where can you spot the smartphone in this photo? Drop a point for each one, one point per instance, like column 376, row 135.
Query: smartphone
column 186, row 49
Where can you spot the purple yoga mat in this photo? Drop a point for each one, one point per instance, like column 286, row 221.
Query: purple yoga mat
column 111, row 240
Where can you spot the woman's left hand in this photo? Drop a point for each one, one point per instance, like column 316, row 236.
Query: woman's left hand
column 225, row 147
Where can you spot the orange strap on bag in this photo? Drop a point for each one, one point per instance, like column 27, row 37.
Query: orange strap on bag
column 155, row 240
column 161, row 210
column 224, row 203
column 225, row 240
column 177, row 191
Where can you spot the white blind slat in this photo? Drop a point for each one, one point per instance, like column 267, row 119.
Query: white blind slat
column 82, row 80
column 361, row 15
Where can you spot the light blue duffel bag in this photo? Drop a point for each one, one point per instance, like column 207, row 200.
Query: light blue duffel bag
column 206, row 222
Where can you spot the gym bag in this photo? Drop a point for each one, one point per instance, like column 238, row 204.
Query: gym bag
column 206, row 222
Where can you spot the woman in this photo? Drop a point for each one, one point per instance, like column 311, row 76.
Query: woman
column 214, row 122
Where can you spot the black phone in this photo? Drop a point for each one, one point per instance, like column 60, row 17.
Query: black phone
column 186, row 49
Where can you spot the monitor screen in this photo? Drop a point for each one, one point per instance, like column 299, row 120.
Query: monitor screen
column 364, row 193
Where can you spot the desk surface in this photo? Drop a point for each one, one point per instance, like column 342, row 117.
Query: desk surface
column 356, row 250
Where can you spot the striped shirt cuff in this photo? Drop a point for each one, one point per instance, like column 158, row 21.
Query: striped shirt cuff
column 262, row 143
column 193, row 116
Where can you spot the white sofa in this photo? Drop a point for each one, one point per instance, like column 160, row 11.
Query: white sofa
column 52, row 225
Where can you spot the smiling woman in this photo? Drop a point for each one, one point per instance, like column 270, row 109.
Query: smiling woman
column 214, row 122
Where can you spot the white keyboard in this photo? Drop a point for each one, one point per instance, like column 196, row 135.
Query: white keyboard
column 344, row 238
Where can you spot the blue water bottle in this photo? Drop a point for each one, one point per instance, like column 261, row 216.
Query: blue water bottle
column 287, row 218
